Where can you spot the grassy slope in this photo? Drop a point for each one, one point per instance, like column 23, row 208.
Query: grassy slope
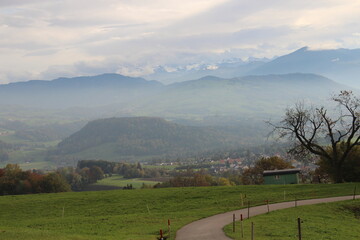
column 321, row 221
column 134, row 214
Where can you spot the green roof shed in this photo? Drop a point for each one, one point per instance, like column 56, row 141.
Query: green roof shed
column 284, row 176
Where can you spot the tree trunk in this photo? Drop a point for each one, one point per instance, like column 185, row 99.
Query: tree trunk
column 338, row 177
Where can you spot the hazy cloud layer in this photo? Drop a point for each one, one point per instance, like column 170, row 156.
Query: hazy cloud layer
column 46, row 39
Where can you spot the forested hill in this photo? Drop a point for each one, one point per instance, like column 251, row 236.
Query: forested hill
column 140, row 136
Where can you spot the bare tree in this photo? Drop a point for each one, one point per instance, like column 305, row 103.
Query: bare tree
column 330, row 136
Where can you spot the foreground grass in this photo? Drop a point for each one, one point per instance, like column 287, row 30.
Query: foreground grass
column 120, row 181
column 135, row 214
column 339, row 220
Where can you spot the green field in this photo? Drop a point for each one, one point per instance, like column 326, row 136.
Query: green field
column 38, row 165
column 135, row 214
column 119, row 181
column 30, row 151
column 333, row 221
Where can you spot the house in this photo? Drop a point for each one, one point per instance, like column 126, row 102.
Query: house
column 284, row 176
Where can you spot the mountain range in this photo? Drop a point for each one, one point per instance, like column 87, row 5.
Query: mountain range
column 256, row 96
column 240, row 94
column 341, row 65
column 251, row 96
column 77, row 92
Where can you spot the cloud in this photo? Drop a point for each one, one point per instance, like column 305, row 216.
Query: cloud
column 46, row 39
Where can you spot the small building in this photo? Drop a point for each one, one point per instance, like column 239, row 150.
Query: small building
column 284, row 176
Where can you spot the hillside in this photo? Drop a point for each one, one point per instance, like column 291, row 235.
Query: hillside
column 318, row 221
column 115, row 138
column 341, row 65
column 136, row 214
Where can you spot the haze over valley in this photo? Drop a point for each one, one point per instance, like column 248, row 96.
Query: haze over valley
column 209, row 76
column 228, row 112
column 169, row 119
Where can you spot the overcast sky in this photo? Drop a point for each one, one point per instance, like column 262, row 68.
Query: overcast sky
column 42, row 39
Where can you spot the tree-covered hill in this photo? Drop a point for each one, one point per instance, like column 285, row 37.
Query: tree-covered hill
column 141, row 136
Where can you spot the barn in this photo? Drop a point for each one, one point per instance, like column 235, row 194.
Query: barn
column 284, row 176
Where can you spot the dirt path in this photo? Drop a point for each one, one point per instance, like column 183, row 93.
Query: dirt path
column 211, row 228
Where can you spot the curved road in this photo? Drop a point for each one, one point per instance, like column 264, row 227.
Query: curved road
column 211, row 228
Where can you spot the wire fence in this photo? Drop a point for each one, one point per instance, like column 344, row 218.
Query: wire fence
column 247, row 203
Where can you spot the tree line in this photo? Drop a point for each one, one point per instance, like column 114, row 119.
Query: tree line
column 13, row 181
column 90, row 171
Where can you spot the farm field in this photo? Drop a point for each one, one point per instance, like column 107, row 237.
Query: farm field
column 333, row 221
column 135, row 214
column 120, row 181
column 29, row 151
column 44, row 165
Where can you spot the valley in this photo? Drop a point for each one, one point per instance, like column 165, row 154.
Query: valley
column 140, row 120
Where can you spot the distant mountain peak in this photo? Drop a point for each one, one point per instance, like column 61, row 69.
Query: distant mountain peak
column 303, row 49
column 210, row 77
column 341, row 65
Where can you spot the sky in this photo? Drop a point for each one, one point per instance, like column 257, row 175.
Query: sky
column 42, row 39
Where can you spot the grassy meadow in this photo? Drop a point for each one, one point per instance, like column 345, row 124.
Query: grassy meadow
column 120, row 181
column 135, row 214
column 332, row 221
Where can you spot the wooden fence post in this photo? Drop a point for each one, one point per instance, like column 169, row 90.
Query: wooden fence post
column 234, row 222
column 169, row 228
column 248, row 209
column 252, row 231
column 284, row 195
column 354, row 193
column 299, row 228
column 241, row 226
